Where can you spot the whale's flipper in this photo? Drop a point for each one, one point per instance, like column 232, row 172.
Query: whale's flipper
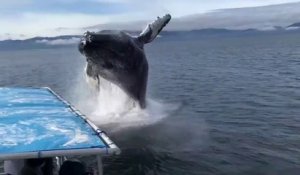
column 153, row 29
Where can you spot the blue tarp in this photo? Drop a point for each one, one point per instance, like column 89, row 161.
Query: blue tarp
column 36, row 120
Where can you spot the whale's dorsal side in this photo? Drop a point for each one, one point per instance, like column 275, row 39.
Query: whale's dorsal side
column 153, row 29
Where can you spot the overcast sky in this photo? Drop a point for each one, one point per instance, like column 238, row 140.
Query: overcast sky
column 35, row 17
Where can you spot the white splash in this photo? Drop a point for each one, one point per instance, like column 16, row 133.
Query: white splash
column 114, row 106
column 112, row 100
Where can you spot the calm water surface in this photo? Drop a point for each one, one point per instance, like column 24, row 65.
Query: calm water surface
column 239, row 104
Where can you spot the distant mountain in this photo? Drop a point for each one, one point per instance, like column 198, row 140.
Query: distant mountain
column 40, row 42
column 297, row 24
column 72, row 40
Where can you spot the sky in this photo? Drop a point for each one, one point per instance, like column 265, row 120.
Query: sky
column 28, row 18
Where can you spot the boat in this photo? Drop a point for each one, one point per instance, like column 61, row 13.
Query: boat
column 37, row 123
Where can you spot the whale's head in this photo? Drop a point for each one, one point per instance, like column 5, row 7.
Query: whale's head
column 110, row 50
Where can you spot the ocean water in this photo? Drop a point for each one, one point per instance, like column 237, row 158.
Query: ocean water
column 226, row 105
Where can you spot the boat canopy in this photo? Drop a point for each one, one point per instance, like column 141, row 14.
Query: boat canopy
column 36, row 123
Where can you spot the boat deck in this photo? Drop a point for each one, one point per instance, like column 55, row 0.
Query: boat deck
column 36, row 122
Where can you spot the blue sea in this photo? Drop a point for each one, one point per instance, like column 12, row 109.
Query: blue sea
column 237, row 98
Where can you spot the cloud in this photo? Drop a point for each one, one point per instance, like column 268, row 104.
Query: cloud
column 112, row 1
column 13, row 3
column 44, row 24
column 263, row 18
column 180, row 8
column 42, row 18
column 70, row 41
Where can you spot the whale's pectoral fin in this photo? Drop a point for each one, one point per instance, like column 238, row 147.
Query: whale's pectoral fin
column 153, row 29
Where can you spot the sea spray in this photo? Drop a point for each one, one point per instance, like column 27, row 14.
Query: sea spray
column 112, row 100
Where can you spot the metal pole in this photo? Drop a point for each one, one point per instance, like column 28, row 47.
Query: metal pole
column 99, row 164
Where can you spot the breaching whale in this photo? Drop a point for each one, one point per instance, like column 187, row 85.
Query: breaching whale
column 120, row 58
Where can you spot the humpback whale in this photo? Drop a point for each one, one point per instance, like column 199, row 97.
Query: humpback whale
column 119, row 58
